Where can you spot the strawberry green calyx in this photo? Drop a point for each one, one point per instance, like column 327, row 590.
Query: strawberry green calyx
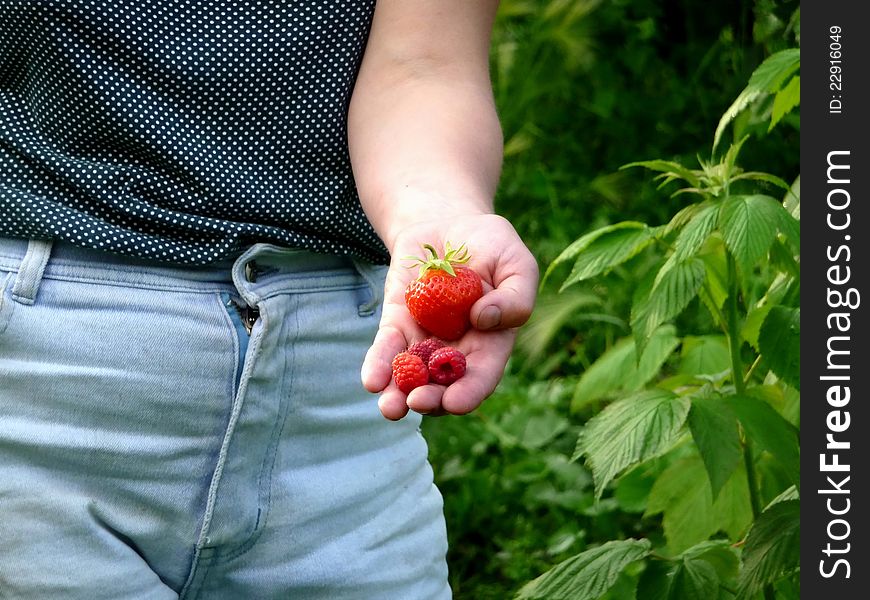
column 452, row 256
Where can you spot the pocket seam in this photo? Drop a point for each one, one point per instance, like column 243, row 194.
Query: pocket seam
column 7, row 306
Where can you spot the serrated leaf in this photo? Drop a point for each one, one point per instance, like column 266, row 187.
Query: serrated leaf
column 749, row 225
column 779, row 342
column 714, row 428
column 694, row 580
column 579, row 245
column 682, row 493
column 588, row 575
column 772, row 548
column 630, row 431
column 785, row 100
column 695, row 233
column 766, row 79
column 776, row 68
column 770, row 431
column 607, row 251
column 619, row 370
column 672, row 294
column 683, row 216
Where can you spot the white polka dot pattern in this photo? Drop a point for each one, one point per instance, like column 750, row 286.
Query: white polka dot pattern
column 184, row 130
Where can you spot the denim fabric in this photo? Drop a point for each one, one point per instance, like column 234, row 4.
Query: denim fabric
column 150, row 449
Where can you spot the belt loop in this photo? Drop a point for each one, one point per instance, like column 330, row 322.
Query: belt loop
column 369, row 272
column 30, row 271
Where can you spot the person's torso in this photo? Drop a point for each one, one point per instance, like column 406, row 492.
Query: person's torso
column 181, row 130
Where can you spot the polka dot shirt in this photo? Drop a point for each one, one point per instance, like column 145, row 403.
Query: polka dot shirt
column 182, row 131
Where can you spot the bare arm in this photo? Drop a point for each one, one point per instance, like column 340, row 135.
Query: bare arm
column 426, row 149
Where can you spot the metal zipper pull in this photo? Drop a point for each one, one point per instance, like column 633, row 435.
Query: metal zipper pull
column 247, row 314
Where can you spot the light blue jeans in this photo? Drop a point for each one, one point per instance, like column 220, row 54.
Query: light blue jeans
column 151, row 448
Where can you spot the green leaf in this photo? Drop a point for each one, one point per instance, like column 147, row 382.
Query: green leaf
column 695, row 233
column 749, row 225
column 619, row 370
column 633, row 488
column 770, row 431
column 655, row 581
column 552, row 312
column 772, row 548
column 579, row 245
column 694, row 580
column 758, row 313
column 682, row 493
column 629, row 431
column 779, row 342
column 704, row 355
column 668, row 167
column 714, row 428
column 772, row 73
column 683, row 216
column 785, row 100
column 588, row 575
column 719, row 554
column 715, row 291
column 672, row 294
column 766, row 79
column 607, row 251
column 792, row 200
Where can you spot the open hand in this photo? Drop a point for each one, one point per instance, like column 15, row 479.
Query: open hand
column 510, row 278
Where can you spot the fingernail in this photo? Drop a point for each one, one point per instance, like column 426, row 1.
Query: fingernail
column 490, row 317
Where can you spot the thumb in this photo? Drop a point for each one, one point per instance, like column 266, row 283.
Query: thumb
column 509, row 305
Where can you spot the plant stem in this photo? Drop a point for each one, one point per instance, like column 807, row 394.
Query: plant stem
column 737, row 376
column 733, row 332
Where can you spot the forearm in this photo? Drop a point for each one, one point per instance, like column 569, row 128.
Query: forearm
column 424, row 139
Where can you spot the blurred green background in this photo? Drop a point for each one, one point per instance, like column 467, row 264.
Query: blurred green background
column 584, row 87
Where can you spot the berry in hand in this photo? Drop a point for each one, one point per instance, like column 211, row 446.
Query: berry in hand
column 440, row 299
column 446, row 365
column 425, row 348
column 409, row 371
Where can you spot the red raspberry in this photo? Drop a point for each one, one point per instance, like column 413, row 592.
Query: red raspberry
column 425, row 348
column 446, row 365
column 409, row 371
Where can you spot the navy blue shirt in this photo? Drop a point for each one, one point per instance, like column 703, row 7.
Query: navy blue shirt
column 181, row 131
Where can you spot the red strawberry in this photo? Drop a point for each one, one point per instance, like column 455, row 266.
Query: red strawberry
column 446, row 365
column 440, row 298
column 425, row 348
column 409, row 371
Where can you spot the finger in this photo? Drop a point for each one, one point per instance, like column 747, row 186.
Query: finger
column 508, row 305
column 426, row 399
column 376, row 370
column 485, row 367
column 392, row 403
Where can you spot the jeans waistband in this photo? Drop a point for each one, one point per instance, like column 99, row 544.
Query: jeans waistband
column 258, row 272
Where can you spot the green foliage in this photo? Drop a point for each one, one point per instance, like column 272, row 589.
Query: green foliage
column 629, row 431
column 735, row 239
column 772, row 548
column 715, row 430
column 651, row 407
column 588, row 575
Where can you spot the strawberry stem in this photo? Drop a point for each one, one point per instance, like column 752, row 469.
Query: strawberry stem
column 452, row 256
